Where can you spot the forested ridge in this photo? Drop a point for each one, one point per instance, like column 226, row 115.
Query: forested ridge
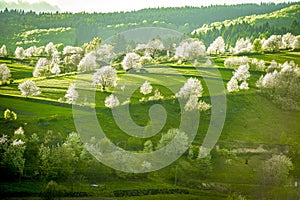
column 253, row 26
column 85, row 26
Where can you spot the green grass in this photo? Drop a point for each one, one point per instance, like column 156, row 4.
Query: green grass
column 251, row 120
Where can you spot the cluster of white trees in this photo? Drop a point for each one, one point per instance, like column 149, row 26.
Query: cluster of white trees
column 236, row 61
column 244, row 45
column 190, row 49
column 239, row 79
column 191, row 91
column 282, row 85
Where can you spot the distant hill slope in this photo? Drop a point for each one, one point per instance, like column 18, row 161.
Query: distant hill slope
column 253, row 26
column 40, row 6
column 13, row 23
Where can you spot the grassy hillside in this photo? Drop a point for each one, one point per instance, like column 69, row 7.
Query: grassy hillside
column 14, row 23
column 254, row 130
column 252, row 26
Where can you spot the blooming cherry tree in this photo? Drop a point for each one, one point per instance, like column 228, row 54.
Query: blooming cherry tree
column 273, row 43
column 190, row 49
column 192, row 87
column 20, row 53
column 55, row 69
column 3, row 51
column 71, row 95
column 4, row 73
column 88, row 62
column 105, row 77
column 28, row 88
column 217, row 46
column 131, row 61
column 146, row 88
column 111, row 101
column 242, row 46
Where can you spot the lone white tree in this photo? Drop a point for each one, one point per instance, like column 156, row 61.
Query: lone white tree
column 146, row 88
column 111, row 101
column 105, row 77
column 192, row 87
column 55, row 69
column 71, row 95
column 131, row 61
column 3, row 51
column 190, row 49
column 4, row 73
column 20, row 53
column 217, row 46
column 88, row 62
column 28, row 88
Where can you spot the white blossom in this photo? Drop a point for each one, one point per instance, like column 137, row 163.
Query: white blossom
column 242, row 46
column 17, row 142
column 20, row 53
column 287, row 40
column 88, row 62
column 31, row 51
column 157, row 96
column 105, row 54
column 131, row 61
column 55, row 69
column 296, row 43
column 190, row 49
column 242, row 73
column 3, row 139
column 41, row 67
column 4, row 73
column 236, row 61
column 71, row 95
column 146, row 88
column 50, row 49
column 192, row 87
column 203, row 106
column 111, row 101
column 105, row 77
column 19, row 131
column 3, row 51
column 217, row 46
column 192, row 103
column 244, row 86
column 273, row 43
column 233, row 85
column 68, row 50
column 28, row 88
